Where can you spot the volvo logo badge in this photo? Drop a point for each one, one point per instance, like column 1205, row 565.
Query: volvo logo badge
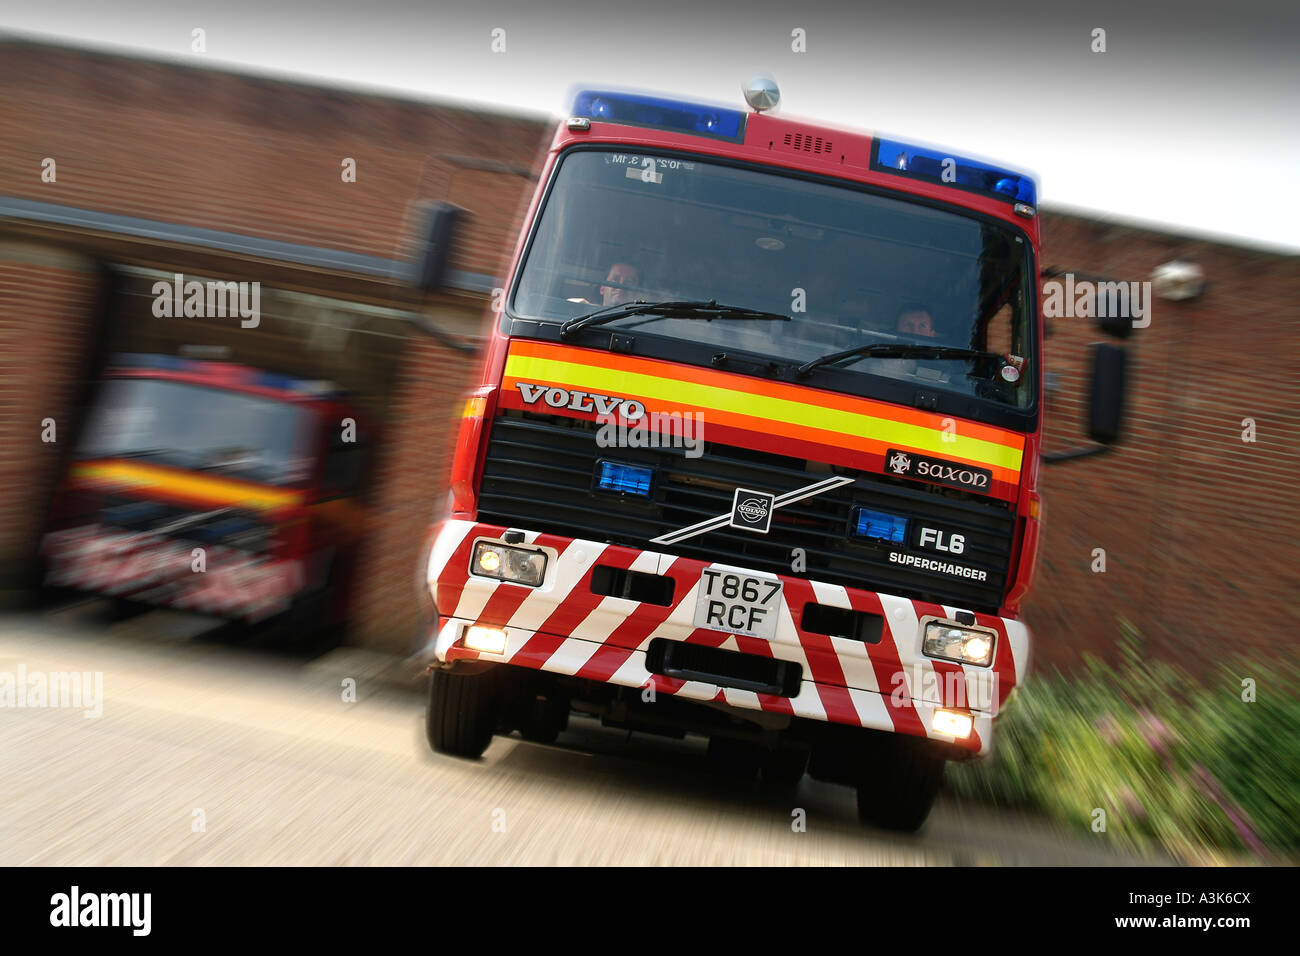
column 752, row 510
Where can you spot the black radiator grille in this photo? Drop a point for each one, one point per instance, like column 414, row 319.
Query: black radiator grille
column 540, row 470
column 225, row 526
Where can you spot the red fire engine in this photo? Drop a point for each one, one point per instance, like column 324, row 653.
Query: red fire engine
column 755, row 452
column 216, row 488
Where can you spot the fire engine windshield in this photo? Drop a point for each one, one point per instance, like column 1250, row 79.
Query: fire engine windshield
column 197, row 428
column 848, row 267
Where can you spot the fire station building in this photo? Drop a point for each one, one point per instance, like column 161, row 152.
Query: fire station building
column 118, row 173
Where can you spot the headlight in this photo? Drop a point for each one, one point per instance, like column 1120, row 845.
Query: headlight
column 952, row 642
column 516, row 565
column 953, row 723
column 489, row 640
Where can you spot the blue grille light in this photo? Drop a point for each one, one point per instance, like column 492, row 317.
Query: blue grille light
column 626, row 479
column 879, row 525
column 919, row 162
column 636, row 110
column 286, row 383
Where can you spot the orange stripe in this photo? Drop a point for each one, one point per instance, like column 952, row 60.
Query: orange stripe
column 854, row 423
column 205, row 488
column 754, row 386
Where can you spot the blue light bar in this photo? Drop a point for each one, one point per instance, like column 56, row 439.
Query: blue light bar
column 625, row 479
column 879, row 525
column 919, row 162
column 632, row 109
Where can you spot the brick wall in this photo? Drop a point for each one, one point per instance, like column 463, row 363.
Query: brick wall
column 47, row 299
column 262, row 157
column 1199, row 528
column 411, row 488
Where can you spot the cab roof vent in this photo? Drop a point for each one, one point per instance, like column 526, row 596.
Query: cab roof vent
column 806, row 143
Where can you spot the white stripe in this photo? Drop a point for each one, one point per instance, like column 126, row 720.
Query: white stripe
column 1018, row 638
column 474, row 596
column 741, row 698
column 813, row 706
column 799, row 494
column 447, row 635
column 871, row 708
column 632, row 672
column 613, row 611
column 901, row 619
column 449, row 538
column 545, row 600
column 854, row 657
column 571, row 655
column 681, row 621
column 778, row 501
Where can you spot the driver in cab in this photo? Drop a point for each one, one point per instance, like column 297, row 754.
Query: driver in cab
column 620, row 274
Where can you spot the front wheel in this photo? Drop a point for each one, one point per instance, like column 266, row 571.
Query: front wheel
column 462, row 711
column 897, row 783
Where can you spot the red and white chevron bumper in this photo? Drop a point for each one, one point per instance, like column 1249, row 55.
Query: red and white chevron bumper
column 564, row 628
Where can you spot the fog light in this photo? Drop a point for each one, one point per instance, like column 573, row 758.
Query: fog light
column 516, row 565
column 952, row 642
column 977, row 648
column 489, row 640
column 952, row 723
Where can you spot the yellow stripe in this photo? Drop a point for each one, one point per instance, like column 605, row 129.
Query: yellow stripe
column 850, row 424
column 220, row 490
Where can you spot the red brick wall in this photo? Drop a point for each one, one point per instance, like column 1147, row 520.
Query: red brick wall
column 411, row 487
column 1199, row 529
column 47, row 300
column 262, row 157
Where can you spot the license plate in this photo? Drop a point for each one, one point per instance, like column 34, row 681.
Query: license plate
column 738, row 603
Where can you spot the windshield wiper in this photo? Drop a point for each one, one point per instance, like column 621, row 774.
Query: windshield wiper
column 172, row 453
column 897, row 350
column 681, row 309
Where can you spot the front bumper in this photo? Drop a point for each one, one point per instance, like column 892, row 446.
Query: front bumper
column 164, row 572
column 564, row 628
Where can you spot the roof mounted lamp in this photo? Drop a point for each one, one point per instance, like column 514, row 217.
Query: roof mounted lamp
column 761, row 93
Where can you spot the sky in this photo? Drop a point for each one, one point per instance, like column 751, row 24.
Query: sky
column 1190, row 118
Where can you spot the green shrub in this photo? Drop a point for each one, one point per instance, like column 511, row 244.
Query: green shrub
column 1185, row 766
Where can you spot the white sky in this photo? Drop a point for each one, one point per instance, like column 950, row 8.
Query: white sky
column 1189, row 120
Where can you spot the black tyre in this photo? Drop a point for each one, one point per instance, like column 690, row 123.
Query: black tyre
column 544, row 720
column 462, row 711
column 897, row 783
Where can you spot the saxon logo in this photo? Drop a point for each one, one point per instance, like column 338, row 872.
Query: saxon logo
column 752, row 510
column 900, row 462
column 955, row 474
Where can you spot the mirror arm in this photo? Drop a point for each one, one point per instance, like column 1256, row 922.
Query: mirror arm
column 1070, row 454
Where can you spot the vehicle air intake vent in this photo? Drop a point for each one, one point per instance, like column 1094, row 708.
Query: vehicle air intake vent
column 807, row 143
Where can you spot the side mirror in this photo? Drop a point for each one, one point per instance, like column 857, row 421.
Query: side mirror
column 1113, row 309
column 1106, row 403
column 437, row 232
